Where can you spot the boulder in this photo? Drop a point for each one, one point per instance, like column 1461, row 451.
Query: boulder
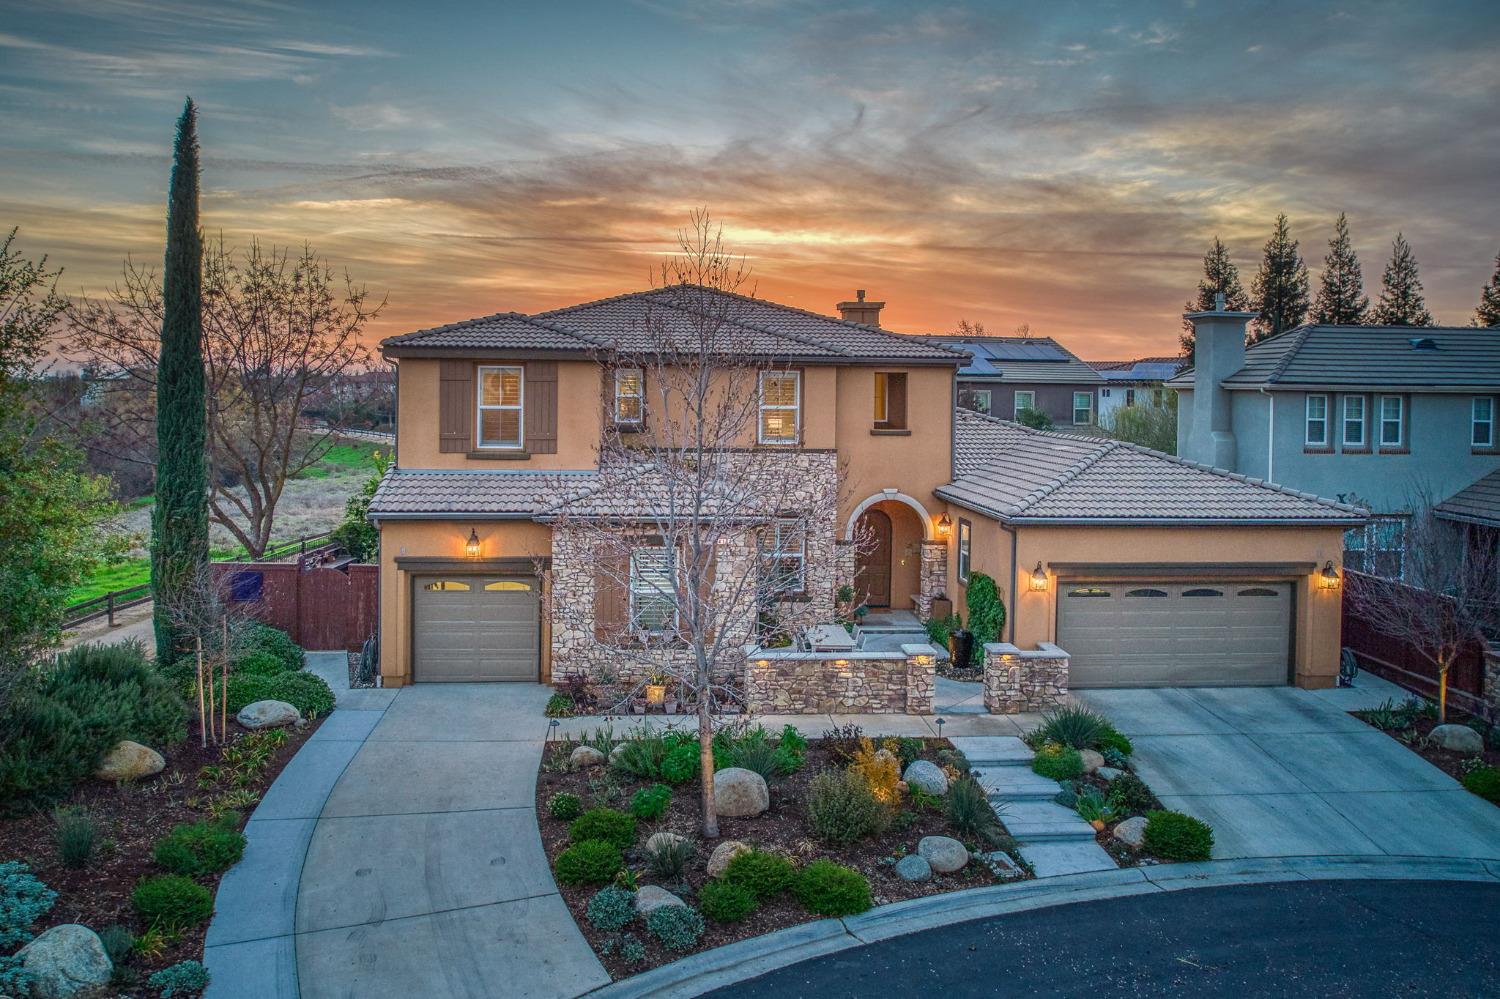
column 944, row 853
column 1132, row 832
column 663, row 839
column 652, row 897
column 1109, row 773
column 129, row 761
column 887, row 757
column 614, row 754
column 65, row 960
column 913, row 867
column 584, row 757
column 718, row 861
column 740, row 793
column 927, row 776
column 268, row 714
column 1002, row 864
column 1457, row 739
column 1091, row 760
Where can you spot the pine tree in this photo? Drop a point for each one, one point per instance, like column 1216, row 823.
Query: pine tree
column 1279, row 292
column 179, row 522
column 1488, row 313
column 1341, row 300
column 1401, row 301
column 1219, row 276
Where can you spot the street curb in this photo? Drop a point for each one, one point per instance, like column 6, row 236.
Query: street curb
column 746, row 959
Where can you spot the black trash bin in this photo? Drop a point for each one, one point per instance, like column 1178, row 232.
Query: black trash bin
column 961, row 647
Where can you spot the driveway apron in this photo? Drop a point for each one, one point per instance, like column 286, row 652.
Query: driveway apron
column 1284, row 772
column 425, row 874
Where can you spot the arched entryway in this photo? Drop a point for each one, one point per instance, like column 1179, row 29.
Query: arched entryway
column 888, row 536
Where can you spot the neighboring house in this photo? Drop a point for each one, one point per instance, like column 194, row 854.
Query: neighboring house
column 1385, row 417
column 1008, row 374
column 1149, row 569
column 1133, row 383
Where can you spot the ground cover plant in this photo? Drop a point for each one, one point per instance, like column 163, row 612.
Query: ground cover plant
column 1411, row 722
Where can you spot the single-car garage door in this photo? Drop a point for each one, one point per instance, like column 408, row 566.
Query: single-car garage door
column 474, row 628
column 1154, row 634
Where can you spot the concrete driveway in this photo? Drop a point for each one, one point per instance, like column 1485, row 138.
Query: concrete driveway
column 1284, row 772
column 425, row 874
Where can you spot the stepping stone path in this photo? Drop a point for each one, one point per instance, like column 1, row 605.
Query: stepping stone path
column 1054, row 839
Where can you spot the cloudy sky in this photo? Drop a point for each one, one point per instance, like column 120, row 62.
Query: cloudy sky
column 1056, row 164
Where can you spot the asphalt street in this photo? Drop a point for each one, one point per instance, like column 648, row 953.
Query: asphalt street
column 1315, row 938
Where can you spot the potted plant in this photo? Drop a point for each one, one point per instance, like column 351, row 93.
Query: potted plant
column 656, row 689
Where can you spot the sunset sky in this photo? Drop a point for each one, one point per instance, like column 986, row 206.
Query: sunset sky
column 1060, row 165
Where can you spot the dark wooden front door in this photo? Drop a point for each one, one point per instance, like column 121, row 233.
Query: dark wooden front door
column 872, row 577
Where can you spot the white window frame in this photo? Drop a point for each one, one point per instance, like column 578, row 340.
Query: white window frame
column 642, row 589
column 1399, row 421
column 639, row 395
column 1309, row 419
column 763, row 408
column 965, row 545
column 1361, row 421
column 1089, row 409
column 1488, row 422
column 480, row 407
column 982, row 400
column 776, row 555
column 1017, row 407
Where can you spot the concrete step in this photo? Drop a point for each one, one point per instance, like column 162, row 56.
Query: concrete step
column 993, row 750
column 1037, row 820
column 1015, row 783
column 1049, row 859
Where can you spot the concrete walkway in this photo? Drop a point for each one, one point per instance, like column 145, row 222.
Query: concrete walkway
column 1281, row 772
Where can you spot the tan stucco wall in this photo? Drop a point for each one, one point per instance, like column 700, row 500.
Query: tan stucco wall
column 915, row 464
column 1317, row 624
column 443, row 539
column 579, row 410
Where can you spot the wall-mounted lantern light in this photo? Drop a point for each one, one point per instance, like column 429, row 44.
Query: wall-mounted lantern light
column 471, row 547
column 944, row 527
column 1038, row 577
column 1329, row 576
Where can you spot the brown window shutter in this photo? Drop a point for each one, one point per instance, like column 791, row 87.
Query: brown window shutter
column 895, row 413
column 611, row 595
column 455, row 406
column 541, row 407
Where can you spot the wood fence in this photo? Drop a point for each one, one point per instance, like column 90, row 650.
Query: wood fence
column 322, row 606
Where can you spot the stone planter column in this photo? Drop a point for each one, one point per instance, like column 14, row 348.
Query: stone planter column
column 1017, row 681
column 932, row 576
column 843, row 564
column 921, row 677
column 1492, row 683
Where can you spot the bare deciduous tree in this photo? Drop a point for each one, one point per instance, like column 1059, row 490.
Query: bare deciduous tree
column 277, row 329
column 695, row 541
column 1448, row 598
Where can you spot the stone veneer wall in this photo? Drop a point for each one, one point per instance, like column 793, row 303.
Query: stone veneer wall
column 932, row 576
column 1492, row 683
column 781, row 681
column 1017, row 681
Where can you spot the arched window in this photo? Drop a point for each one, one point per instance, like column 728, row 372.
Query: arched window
column 445, row 584
column 1203, row 592
column 1088, row 591
column 1145, row 592
column 508, row 584
column 1258, row 591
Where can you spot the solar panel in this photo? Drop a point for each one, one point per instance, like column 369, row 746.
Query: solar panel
column 1014, row 351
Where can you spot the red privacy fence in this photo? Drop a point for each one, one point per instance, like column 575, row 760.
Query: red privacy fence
column 1404, row 664
column 322, row 606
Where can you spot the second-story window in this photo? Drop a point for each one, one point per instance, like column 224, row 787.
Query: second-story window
column 890, row 400
column 1024, row 400
column 1392, row 422
column 1483, row 413
column 501, row 392
column 1317, row 421
column 780, row 407
column 630, row 397
column 1083, row 407
column 1354, row 421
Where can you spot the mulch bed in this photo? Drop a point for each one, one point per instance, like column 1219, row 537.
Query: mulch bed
column 783, row 828
column 131, row 818
column 1450, row 763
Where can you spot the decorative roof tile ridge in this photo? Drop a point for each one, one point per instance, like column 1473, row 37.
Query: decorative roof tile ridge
column 801, row 338
column 423, row 334
column 1301, row 333
column 1062, row 478
column 1224, row 473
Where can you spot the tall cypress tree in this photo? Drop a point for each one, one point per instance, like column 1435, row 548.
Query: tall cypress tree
column 1401, row 302
column 1279, row 292
column 1341, row 299
column 1488, row 313
column 1219, row 276
column 179, row 522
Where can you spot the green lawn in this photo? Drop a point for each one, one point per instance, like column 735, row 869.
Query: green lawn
column 346, row 456
column 131, row 572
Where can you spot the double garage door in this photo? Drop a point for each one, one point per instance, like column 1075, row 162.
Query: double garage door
column 1155, row 634
column 467, row 628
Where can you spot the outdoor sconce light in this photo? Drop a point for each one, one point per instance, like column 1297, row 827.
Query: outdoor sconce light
column 1329, row 576
column 471, row 547
column 945, row 527
column 841, row 662
column 1038, row 577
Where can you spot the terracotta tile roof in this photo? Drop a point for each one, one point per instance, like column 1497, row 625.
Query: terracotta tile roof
column 1369, row 356
column 1476, row 503
column 416, row 492
column 1023, row 475
column 638, row 321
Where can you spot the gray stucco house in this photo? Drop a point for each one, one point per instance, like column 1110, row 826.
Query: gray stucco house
column 1008, row 374
column 1390, row 418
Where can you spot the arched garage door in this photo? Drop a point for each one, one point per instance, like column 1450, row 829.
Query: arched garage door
column 1154, row 634
column 467, row 628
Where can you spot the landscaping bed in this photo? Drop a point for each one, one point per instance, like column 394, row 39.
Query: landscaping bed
column 784, row 830
column 1411, row 723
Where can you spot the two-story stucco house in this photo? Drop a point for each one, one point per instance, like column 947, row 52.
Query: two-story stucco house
column 1388, row 418
column 1147, row 569
column 1133, row 383
column 1006, row 375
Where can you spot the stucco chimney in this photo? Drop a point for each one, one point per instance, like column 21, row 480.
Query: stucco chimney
column 1219, row 352
column 860, row 311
